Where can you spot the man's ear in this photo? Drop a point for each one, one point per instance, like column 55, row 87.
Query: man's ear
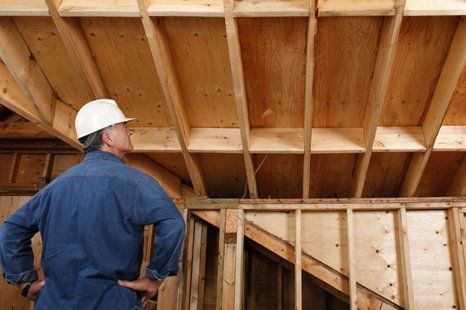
column 107, row 138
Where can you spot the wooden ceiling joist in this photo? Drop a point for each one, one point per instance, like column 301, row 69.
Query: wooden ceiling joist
column 308, row 96
column 446, row 85
column 162, row 58
column 236, row 65
column 389, row 37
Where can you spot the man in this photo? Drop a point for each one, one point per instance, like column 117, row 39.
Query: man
column 91, row 221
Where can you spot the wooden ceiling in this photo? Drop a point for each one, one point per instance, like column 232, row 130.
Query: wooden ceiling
column 273, row 98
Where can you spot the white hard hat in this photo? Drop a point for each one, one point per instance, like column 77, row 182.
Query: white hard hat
column 98, row 114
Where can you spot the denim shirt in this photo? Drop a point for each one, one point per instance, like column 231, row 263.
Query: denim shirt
column 91, row 220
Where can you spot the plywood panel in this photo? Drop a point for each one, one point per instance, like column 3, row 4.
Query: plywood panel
column 422, row 48
column 439, row 172
column 224, row 174
column 6, row 160
column 200, row 54
column 385, row 174
column 280, row 176
column 433, row 282
column 273, row 53
column 331, row 175
column 125, row 62
column 376, row 253
column 346, row 51
column 30, row 168
column 456, row 113
column 45, row 43
column 173, row 162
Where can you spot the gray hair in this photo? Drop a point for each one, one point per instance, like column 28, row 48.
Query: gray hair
column 93, row 142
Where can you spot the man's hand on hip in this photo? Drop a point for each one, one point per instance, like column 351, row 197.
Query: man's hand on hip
column 34, row 289
column 146, row 286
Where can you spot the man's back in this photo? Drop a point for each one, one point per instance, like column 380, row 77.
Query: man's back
column 91, row 222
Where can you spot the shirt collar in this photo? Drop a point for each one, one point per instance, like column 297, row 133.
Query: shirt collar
column 102, row 155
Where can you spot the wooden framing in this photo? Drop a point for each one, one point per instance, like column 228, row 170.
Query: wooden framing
column 76, row 45
column 228, row 90
column 360, row 144
column 450, row 75
column 311, row 32
column 407, row 282
column 390, row 31
column 458, row 256
column 164, row 64
column 206, row 211
column 351, row 260
column 298, row 269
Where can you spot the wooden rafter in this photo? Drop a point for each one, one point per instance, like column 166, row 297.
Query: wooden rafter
column 162, row 58
column 61, row 124
column 78, row 50
column 308, row 96
column 16, row 55
column 389, row 37
column 240, row 93
column 451, row 72
column 23, row 130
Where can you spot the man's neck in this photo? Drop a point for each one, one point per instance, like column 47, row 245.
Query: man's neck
column 108, row 149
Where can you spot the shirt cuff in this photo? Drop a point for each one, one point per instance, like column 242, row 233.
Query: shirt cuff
column 155, row 275
column 27, row 276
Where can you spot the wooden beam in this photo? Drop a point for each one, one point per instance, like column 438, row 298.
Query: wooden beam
column 76, row 45
column 188, row 263
column 458, row 257
column 201, row 289
column 236, row 63
column 389, row 37
column 351, row 260
column 405, row 259
column 196, row 266
column 309, row 96
column 356, row 8
column 160, row 51
column 433, row 7
column 220, row 260
column 12, row 97
column 446, row 85
column 451, row 138
column 270, row 8
column 298, row 283
column 20, row 61
column 239, row 270
column 229, row 267
column 23, row 130
column 399, row 139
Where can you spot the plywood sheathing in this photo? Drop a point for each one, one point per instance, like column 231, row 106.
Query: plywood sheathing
column 346, row 50
column 123, row 57
column 200, row 52
column 273, row 53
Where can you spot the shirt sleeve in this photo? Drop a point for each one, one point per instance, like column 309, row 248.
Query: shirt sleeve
column 153, row 206
column 16, row 256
